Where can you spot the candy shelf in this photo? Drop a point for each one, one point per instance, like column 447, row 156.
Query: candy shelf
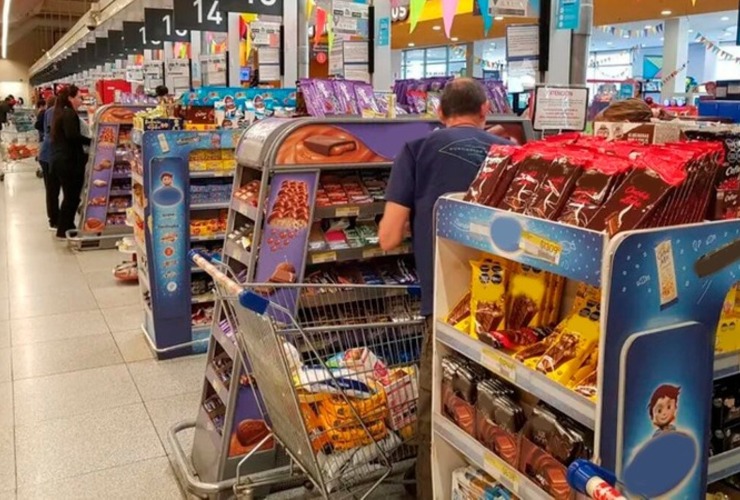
column 236, row 252
column 363, row 211
column 537, row 384
column 479, row 456
column 209, row 206
column 639, row 331
column 216, row 383
column 354, row 254
column 244, row 208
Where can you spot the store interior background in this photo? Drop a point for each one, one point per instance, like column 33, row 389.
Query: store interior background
column 619, row 44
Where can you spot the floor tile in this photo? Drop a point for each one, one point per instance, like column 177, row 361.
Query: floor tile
column 6, row 405
column 99, row 260
column 121, row 319
column 160, row 379
column 6, row 371
column 31, row 283
column 148, row 479
column 4, row 309
column 7, row 458
column 119, row 295
column 4, row 334
column 57, row 327
column 62, row 448
column 54, row 303
column 60, row 356
column 133, row 345
column 7, row 495
column 100, row 279
column 74, row 393
column 167, row 412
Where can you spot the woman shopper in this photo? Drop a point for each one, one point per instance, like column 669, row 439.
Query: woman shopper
column 67, row 156
column 51, row 183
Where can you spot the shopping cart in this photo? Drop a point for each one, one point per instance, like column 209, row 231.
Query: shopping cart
column 335, row 368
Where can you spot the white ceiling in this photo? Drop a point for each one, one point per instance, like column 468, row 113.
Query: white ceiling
column 718, row 27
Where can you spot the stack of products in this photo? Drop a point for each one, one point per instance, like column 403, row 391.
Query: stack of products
column 516, row 308
column 212, row 160
column 399, row 271
column 213, row 191
column 537, row 441
column 599, row 185
column 341, row 97
column 208, row 227
column 243, row 236
column 201, row 315
column 338, row 234
column 471, row 483
column 249, row 193
column 421, row 96
column 725, row 415
column 350, row 188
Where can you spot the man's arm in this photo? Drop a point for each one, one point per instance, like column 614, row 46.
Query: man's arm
column 393, row 225
column 399, row 197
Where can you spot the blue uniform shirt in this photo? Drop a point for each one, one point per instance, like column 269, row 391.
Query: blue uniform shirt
column 445, row 161
column 45, row 149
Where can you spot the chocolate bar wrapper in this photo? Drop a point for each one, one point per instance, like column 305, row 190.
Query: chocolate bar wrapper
column 488, row 295
column 460, row 311
column 345, row 92
column 498, row 421
column 554, row 191
column 529, row 175
column 311, row 97
column 526, row 295
column 494, row 177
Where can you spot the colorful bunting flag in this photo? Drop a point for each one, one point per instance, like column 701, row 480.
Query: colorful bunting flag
column 486, row 15
column 449, row 8
column 715, row 49
column 415, row 8
column 640, row 33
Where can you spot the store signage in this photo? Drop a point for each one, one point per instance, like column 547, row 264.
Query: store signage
column 266, row 7
column 131, row 37
column 159, row 26
column 399, row 14
column 200, row 15
column 569, row 14
column 560, row 108
column 115, row 43
column 101, row 50
column 383, row 37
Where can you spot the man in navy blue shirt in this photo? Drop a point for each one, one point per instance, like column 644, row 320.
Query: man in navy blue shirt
column 445, row 161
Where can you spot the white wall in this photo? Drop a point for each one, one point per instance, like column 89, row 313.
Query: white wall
column 14, row 80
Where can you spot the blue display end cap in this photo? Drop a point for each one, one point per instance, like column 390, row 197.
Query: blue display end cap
column 254, row 302
column 582, row 471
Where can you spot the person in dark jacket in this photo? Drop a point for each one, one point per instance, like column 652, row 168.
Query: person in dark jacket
column 51, row 183
column 67, row 156
column 39, row 125
column 5, row 110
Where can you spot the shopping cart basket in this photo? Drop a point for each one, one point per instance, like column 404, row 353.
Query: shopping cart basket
column 335, row 366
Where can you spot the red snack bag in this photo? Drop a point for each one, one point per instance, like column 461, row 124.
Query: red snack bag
column 493, row 177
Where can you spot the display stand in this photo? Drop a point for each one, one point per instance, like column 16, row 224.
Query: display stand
column 181, row 185
column 647, row 339
column 107, row 192
column 273, row 155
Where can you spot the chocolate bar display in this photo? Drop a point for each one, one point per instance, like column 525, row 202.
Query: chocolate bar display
column 290, row 210
column 329, row 146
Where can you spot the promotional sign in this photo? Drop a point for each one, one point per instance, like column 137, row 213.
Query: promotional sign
column 95, row 213
column 658, row 358
column 199, row 15
column 569, row 14
column 383, row 33
column 560, row 108
column 160, row 26
column 132, row 37
column 177, row 75
column 267, row 7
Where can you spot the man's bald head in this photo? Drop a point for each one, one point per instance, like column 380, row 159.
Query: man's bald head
column 463, row 98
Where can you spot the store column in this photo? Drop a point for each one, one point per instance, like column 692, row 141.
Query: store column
column 293, row 16
column 558, row 72
column 382, row 60
column 675, row 56
column 477, row 49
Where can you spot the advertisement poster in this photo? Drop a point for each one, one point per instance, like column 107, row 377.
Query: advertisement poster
column 659, row 358
column 249, row 427
column 96, row 211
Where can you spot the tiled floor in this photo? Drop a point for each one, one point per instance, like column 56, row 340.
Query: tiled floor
column 84, row 408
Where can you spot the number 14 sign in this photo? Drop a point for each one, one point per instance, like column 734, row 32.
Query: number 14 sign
column 200, row 15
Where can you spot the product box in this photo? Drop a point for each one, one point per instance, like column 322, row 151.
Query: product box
column 646, row 133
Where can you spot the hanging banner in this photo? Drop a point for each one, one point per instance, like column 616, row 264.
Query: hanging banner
column 132, row 37
column 569, row 14
column 115, row 43
column 415, row 8
column 261, row 7
column 449, row 7
column 199, row 15
column 159, row 25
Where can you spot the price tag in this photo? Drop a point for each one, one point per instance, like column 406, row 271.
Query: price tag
column 541, row 248
column 503, row 472
column 403, row 249
column 320, row 258
column 372, row 252
column 348, row 211
column 499, row 363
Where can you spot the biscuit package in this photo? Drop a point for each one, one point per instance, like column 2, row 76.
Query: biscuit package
column 488, row 295
column 471, row 483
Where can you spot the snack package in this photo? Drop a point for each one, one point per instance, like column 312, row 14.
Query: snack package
column 470, row 483
column 460, row 312
column 362, row 361
column 728, row 329
column 552, row 194
column 498, row 419
column 494, row 176
column 527, row 293
column 459, row 391
column 488, row 295
column 344, row 91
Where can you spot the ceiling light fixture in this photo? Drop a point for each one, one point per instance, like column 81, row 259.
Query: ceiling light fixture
column 648, row 27
column 498, row 18
column 436, row 27
column 666, row 12
column 412, row 44
column 6, row 14
column 724, row 18
column 454, row 39
column 691, row 31
column 609, row 43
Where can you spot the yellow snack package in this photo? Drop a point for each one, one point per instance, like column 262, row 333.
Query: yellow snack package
column 488, row 295
column 527, row 294
column 728, row 329
column 588, row 366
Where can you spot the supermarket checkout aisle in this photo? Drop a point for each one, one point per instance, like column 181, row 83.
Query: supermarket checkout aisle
column 84, row 408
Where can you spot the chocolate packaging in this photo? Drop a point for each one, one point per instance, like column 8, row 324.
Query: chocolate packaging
column 498, row 419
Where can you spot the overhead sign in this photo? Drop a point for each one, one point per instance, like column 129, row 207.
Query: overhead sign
column 200, row 15
column 101, row 50
column 399, row 13
column 266, row 7
column 569, row 14
column 132, row 37
column 159, row 24
column 115, row 43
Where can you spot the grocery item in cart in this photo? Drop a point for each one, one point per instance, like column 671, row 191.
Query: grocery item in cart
column 471, row 483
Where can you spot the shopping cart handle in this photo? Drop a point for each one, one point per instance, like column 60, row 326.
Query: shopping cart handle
column 194, row 252
column 253, row 302
column 582, row 472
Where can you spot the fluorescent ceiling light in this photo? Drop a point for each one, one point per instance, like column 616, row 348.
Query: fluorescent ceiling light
column 666, row 12
column 412, row 44
column 647, row 27
column 454, row 39
column 609, row 43
column 625, row 36
column 436, row 27
column 691, row 31
column 724, row 18
column 499, row 18
column 6, row 14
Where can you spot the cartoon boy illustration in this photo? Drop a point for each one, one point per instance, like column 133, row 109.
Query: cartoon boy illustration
column 166, row 179
column 663, row 408
column 167, row 194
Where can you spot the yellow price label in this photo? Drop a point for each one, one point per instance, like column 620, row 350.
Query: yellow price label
column 372, row 252
column 320, row 258
column 503, row 472
column 540, row 248
column 500, row 364
column 348, row 211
